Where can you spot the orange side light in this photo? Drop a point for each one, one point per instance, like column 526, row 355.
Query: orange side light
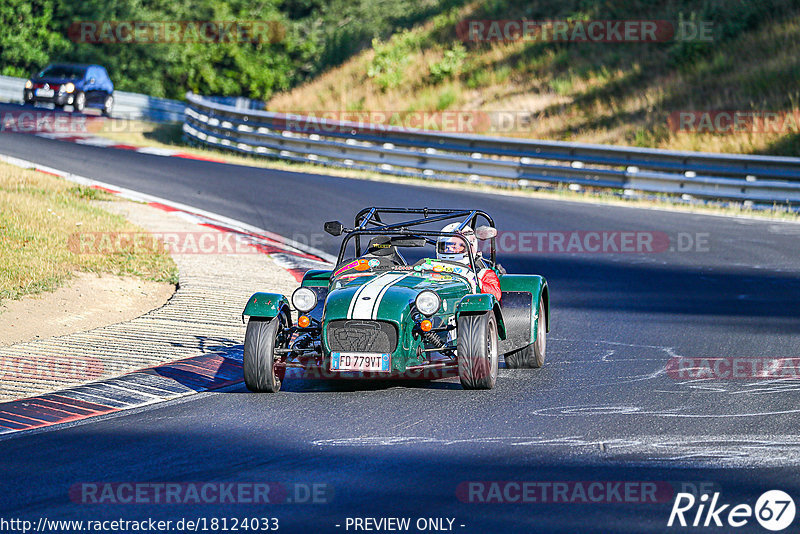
column 303, row 321
column 426, row 325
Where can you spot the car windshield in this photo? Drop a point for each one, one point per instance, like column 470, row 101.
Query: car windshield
column 63, row 71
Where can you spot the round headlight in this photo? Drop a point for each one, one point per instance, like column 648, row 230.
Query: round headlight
column 28, row 84
column 428, row 303
column 68, row 87
column 304, row 299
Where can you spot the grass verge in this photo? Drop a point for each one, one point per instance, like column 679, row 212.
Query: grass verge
column 39, row 214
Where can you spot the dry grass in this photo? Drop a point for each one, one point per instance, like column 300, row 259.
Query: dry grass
column 615, row 93
column 39, row 213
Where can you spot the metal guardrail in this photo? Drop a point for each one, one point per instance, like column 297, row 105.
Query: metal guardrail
column 137, row 106
column 492, row 160
column 126, row 105
column 11, row 88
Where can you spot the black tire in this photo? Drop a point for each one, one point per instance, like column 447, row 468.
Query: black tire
column 476, row 350
column 532, row 356
column 79, row 103
column 108, row 105
column 260, row 372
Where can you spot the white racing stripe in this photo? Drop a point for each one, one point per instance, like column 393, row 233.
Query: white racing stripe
column 378, row 300
column 367, row 299
column 355, row 298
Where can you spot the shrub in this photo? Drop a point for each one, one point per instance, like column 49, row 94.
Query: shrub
column 450, row 65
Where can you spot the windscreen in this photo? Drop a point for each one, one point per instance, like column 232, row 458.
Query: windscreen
column 63, row 71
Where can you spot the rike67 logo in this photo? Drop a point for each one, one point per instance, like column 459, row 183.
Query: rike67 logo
column 774, row 510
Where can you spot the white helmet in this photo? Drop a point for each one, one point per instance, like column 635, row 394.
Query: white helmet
column 451, row 248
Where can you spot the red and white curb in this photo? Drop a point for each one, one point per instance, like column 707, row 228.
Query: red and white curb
column 152, row 385
column 97, row 141
column 166, row 381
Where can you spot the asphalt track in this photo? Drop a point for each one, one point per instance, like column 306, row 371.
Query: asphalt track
column 602, row 409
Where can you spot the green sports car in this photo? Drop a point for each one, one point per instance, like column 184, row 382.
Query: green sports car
column 376, row 315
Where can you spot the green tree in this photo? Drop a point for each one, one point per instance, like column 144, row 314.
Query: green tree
column 28, row 39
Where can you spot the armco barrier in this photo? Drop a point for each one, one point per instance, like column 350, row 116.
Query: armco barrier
column 493, row 160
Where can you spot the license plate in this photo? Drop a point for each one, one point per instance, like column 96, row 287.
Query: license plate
column 360, row 361
column 45, row 92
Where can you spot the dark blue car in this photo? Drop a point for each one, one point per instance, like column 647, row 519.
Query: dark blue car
column 79, row 86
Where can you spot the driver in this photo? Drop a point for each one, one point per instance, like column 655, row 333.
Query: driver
column 453, row 249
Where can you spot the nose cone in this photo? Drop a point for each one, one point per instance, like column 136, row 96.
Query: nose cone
column 338, row 302
column 393, row 304
column 380, row 298
column 389, row 297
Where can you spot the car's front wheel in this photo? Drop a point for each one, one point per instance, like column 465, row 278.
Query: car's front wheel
column 263, row 336
column 531, row 356
column 476, row 350
column 79, row 104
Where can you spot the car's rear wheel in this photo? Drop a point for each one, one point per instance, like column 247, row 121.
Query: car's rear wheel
column 79, row 104
column 531, row 356
column 477, row 351
column 263, row 336
column 108, row 104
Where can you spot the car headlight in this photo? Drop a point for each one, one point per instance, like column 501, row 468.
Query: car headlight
column 428, row 303
column 28, row 84
column 68, row 87
column 304, row 299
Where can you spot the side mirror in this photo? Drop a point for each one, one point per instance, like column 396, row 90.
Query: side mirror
column 485, row 232
column 91, row 80
column 335, row 228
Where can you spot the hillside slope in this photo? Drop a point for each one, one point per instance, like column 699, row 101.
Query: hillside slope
column 619, row 93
